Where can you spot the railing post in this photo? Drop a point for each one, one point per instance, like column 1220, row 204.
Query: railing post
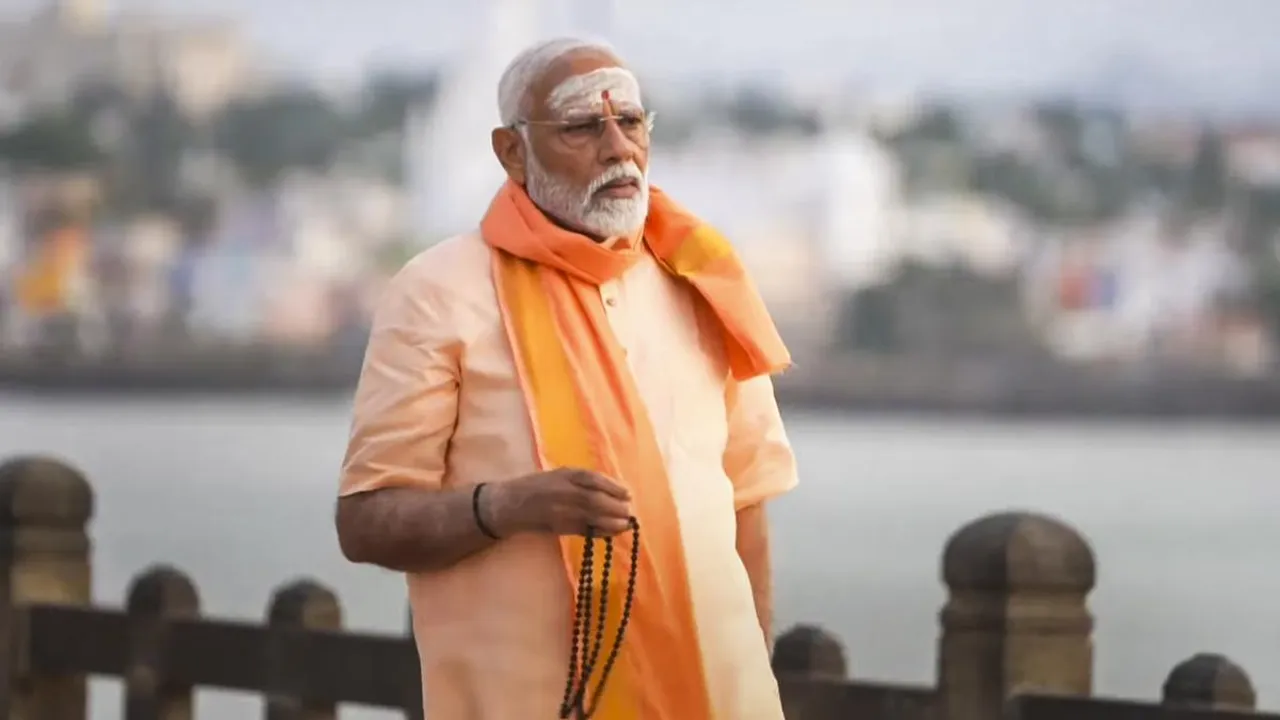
column 45, row 507
column 156, row 597
column 1016, row 617
column 1206, row 681
column 802, row 655
column 304, row 605
column 811, row 652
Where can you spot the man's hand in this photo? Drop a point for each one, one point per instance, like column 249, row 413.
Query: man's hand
column 415, row 530
column 565, row 501
column 753, row 548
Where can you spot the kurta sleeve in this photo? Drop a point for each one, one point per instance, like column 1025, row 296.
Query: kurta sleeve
column 758, row 458
column 406, row 401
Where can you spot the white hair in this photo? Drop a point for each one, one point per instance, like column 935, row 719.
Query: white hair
column 527, row 67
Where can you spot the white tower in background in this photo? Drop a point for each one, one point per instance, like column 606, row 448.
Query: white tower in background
column 860, row 197
column 452, row 174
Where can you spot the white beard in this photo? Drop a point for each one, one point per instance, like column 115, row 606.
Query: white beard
column 605, row 217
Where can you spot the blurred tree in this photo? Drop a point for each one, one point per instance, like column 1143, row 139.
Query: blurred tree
column 265, row 137
column 935, row 125
column 375, row 134
column 673, row 130
column 1006, row 176
column 1267, row 291
column 754, row 111
column 1205, row 187
column 866, row 321
column 52, row 141
column 939, row 123
column 757, row 111
column 1259, row 223
column 936, row 310
column 1113, row 190
column 1064, row 122
column 147, row 165
column 388, row 97
column 96, row 97
column 933, row 152
column 1260, row 245
column 198, row 217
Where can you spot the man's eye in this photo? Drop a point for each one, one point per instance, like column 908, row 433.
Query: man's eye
column 582, row 128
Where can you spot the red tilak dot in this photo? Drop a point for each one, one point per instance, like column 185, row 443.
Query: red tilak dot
column 605, row 95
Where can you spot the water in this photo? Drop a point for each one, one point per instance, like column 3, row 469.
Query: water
column 1183, row 520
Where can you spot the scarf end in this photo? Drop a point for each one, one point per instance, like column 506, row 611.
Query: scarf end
column 752, row 371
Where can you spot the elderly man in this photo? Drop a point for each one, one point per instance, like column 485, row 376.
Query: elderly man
column 594, row 359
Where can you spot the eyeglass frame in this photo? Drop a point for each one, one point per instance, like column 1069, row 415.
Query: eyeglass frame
column 562, row 123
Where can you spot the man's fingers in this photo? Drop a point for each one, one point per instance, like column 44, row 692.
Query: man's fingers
column 605, row 527
column 609, row 507
column 596, row 481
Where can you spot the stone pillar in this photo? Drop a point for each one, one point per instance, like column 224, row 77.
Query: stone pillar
column 156, row 598
column 45, row 507
column 807, row 661
column 1016, row 618
column 1206, row 681
column 811, row 652
column 300, row 606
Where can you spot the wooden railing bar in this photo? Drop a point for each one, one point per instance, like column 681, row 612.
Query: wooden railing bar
column 1062, row 707
column 375, row 670
column 70, row 640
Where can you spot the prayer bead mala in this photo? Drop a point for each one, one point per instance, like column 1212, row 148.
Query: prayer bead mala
column 583, row 653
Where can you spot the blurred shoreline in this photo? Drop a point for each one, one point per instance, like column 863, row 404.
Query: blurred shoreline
column 171, row 221
column 847, row 384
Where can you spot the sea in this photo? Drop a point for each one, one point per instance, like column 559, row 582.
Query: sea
column 1184, row 519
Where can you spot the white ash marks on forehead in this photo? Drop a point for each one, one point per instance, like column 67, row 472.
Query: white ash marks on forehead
column 584, row 93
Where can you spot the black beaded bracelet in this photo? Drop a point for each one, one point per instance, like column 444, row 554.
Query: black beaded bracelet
column 475, row 510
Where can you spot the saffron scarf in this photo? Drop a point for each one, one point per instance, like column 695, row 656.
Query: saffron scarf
column 586, row 413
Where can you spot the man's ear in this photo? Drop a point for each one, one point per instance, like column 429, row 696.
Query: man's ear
column 509, row 150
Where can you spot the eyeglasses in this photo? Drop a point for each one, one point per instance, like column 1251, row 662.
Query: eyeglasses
column 578, row 132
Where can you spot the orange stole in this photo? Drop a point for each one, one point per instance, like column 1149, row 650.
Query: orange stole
column 659, row 670
column 586, row 412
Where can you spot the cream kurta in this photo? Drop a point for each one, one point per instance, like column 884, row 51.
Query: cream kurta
column 439, row 404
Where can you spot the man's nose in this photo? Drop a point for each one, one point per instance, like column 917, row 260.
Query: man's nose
column 615, row 146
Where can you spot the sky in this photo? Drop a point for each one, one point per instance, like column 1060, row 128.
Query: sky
column 965, row 44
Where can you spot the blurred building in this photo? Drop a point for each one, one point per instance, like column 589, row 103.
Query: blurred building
column 859, row 203
column 980, row 233
column 813, row 216
column 71, row 44
column 1136, row 290
column 287, row 265
column 1253, row 155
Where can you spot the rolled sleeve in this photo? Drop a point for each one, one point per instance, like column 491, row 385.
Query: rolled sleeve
column 406, row 401
column 758, row 457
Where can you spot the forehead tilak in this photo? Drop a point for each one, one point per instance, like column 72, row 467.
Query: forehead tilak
column 588, row 91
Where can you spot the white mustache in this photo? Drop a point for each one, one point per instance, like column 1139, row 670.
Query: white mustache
column 624, row 171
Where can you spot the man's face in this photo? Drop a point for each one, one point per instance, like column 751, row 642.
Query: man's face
column 585, row 146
